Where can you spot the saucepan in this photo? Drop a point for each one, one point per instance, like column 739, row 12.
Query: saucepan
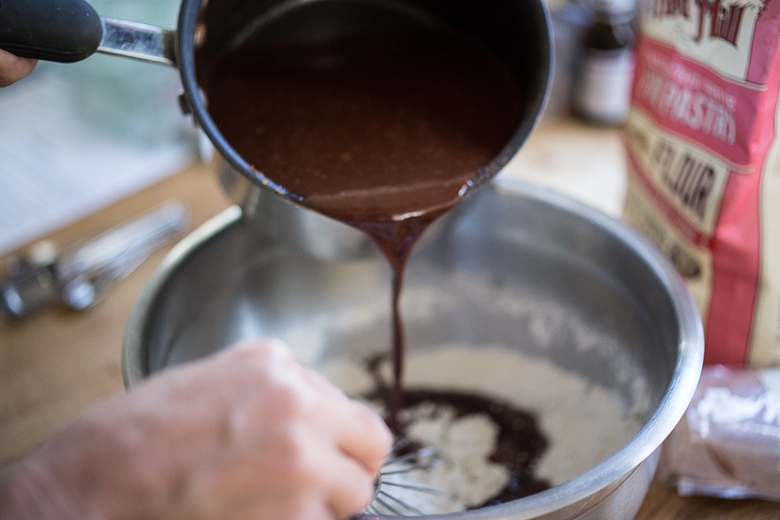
column 517, row 31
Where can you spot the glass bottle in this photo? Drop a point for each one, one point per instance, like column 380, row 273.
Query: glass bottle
column 605, row 69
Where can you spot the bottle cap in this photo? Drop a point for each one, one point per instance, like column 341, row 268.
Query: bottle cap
column 614, row 6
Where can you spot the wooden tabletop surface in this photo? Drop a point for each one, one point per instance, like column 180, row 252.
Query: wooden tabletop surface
column 58, row 363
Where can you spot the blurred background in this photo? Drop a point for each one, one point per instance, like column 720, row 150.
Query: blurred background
column 77, row 137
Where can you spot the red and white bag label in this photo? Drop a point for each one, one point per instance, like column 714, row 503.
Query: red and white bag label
column 704, row 163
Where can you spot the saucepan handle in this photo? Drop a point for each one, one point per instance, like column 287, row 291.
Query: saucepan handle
column 55, row 30
column 70, row 30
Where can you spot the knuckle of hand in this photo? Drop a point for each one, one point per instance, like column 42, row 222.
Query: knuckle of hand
column 289, row 400
column 375, row 430
column 299, row 465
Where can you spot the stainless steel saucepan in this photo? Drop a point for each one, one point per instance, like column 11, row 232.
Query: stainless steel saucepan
column 518, row 31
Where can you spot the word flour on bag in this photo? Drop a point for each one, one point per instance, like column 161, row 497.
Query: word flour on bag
column 704, row 163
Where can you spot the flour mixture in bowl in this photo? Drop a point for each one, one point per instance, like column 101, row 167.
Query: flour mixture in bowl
column 482, row 426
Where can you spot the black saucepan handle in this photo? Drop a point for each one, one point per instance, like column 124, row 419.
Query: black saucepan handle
column 52, row 30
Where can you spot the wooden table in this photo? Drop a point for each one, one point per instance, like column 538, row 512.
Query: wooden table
column 58, row 363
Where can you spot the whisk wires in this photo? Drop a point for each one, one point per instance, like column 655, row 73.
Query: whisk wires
column 390, row 497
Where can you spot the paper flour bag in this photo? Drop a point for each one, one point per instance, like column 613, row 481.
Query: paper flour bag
column 704, row 163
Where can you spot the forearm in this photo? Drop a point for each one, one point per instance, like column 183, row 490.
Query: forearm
column 29, row 491
column 96, row 468
column 65, row 479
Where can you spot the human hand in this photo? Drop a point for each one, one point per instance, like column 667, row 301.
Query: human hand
column 14, row 68
column 245, row 434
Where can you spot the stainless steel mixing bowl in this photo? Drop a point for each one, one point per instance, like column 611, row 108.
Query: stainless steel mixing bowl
column 525, row 249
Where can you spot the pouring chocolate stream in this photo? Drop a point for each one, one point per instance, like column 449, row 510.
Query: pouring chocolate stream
column 382, row 134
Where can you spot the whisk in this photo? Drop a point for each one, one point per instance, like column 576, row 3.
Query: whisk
column 389, row 483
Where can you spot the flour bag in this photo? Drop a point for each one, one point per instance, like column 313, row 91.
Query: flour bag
column 703, row 159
